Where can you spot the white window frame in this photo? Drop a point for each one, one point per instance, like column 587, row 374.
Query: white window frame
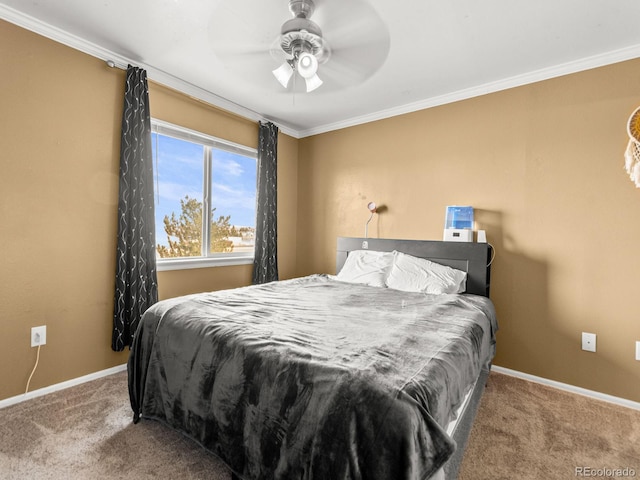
column 208, row 259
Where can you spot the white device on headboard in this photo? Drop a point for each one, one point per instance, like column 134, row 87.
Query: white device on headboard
column 458, row 225
column 458, row 235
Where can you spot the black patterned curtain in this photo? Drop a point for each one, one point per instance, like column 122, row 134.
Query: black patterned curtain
column 265, row 264
column 136, row 279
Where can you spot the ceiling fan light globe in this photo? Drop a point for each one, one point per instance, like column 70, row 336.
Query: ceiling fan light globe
column 313, row 83
column 283, row 74
column 307, row 65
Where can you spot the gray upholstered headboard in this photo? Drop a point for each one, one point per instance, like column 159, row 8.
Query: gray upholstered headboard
column 473, row 258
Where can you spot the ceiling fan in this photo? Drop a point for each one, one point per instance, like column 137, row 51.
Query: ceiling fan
column 349, row 48
column 301, row 41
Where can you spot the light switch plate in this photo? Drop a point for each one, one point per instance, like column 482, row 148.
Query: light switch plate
column 589, row 342
column 637, row 350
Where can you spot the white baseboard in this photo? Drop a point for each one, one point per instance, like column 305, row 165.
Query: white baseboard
column 61, row 386
column 623, row 402
column 514, row 373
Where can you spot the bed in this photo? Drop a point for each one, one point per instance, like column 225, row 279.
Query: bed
column 320, row 377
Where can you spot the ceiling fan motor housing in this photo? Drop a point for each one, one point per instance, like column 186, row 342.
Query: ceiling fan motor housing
column 301, row 40
column 300, row 34
column 301, row 8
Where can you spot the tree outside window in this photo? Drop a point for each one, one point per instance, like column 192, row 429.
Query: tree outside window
column 205, row 195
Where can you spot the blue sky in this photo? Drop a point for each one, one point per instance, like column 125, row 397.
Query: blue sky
column 178, row 168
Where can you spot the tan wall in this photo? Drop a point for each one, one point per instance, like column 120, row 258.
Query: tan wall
column 59, row 149
column 543, row 167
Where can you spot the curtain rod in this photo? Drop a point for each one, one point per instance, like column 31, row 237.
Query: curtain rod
column 113, row 64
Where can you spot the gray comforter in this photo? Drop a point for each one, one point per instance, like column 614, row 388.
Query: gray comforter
column 313, row 378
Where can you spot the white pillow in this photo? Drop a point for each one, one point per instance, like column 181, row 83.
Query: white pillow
column 412, row 274
column 366, row 266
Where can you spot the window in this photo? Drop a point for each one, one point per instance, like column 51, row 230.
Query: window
column 205, row 199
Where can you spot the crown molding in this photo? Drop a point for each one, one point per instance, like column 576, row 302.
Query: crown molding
column 58, row 35
column 159, row 76
column 588, row 63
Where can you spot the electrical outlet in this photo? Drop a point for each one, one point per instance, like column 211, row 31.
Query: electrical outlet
column 637, row 350
column 38, row 335
column 589, row 341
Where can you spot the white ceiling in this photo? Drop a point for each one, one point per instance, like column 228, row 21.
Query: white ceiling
column 389, row 57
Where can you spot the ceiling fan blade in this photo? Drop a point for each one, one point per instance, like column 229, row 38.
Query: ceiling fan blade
column 358, row 62
column 238, row 52
column 237, row 27
column 349, row 21
column 358, row 38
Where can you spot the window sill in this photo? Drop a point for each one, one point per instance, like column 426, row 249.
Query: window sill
column 188, row 263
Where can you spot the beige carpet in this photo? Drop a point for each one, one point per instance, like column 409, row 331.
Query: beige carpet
column 523, row 431
column 86, row 432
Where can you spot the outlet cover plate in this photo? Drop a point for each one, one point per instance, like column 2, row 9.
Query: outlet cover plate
column 589, row 342
column 637, row 350
column 35, row 331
